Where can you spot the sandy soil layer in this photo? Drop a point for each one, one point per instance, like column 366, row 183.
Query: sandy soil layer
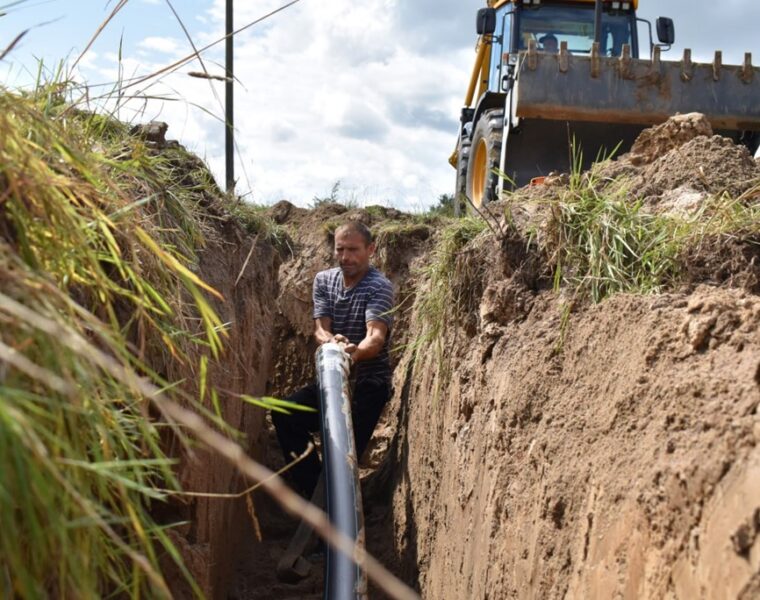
column 626, row 465
column 217, row 527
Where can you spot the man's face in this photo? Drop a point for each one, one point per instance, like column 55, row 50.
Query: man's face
column 352, row 253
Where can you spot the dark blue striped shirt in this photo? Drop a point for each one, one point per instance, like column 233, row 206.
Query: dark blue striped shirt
column 351, row 308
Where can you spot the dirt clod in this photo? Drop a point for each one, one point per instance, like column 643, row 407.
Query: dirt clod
column 677, row 165
column 675, row 132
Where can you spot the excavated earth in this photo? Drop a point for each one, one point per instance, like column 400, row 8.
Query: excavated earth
column 612, row 455
column 609, row 452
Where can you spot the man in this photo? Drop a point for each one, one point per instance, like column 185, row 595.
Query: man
column 549, row 43
column 352, row 305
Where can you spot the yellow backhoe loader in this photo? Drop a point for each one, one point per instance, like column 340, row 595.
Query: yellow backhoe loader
column 556, row 75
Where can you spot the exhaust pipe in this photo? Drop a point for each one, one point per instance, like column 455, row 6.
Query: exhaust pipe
column 343, row 578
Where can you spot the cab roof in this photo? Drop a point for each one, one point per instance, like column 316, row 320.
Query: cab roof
column 498, row 3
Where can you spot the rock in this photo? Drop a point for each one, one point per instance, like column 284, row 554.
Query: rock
column 682, row 201
column 154, row 132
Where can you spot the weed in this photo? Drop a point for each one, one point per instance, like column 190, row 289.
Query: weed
column 601, row 243
column 256, row 221
column 440, row 301
column 445, row 206
column 97, row 252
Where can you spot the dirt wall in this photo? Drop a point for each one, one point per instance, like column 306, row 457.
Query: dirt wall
column 612, row 451
column 625, row 465
column 243, row 268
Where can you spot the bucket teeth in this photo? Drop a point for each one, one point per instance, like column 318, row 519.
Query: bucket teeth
column 564, row 57
column 717, row 65
column 687, row 67
column 656, row 60
column 747, row 70
column 625, row 62
column 596, row 62
column 532, row 55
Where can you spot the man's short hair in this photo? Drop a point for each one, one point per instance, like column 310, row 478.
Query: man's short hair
column 549, row 37
column 356, row 227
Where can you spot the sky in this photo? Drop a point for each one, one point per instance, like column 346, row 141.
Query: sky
column 366, row 93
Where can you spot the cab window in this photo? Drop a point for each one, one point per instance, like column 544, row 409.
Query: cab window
column 576, row 27
column 501, row 45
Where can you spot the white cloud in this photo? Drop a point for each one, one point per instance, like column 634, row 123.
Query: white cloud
column 328, row 94
column 159, row 44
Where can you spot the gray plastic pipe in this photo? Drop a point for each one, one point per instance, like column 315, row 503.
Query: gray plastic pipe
column 343, row 579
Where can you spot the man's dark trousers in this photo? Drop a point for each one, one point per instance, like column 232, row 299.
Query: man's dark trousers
column 294, row 430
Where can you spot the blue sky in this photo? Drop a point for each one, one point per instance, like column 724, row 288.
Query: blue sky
column 365, row 93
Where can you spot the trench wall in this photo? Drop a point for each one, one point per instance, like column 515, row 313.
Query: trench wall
column 621, row 462
column 244, row 270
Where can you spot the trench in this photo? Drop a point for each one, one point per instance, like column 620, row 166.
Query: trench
column 292, row 365
column 609, row 450
column 627, row 464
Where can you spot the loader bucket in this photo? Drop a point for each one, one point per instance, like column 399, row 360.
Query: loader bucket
column 539, row 147
column 637, row 92
column 601, row 104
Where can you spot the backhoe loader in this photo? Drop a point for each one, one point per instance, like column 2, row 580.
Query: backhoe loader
column 560, row 84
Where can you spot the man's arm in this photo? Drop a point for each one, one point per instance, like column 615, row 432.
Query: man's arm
column 323, row 330
column 372, row 343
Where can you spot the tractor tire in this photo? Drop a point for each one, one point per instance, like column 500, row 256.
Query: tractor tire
column 485, row 152
column 463, row 158
column 750, row 139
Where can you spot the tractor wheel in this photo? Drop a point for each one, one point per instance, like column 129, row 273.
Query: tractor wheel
column 485, row 152
column 460, row 202
column 750, row 139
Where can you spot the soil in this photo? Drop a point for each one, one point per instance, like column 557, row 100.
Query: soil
column 612, row 451
column 618, row 467
column 683, row 157
column 217, row 526
column 402, row 241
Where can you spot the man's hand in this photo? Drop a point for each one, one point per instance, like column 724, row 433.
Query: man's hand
column 343, row 341
column 347, row 363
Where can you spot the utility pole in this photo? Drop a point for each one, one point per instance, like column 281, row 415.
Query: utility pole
column 229, row 138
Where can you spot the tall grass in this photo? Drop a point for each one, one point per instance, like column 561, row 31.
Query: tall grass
column 97, row 235
column 440, row 299
column 601, row 240
column 603, row 244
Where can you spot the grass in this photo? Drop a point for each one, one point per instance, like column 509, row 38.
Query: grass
column 256, row 221
column 441, row 299
column 97, row 240
column 602, row 245
column 600, row 240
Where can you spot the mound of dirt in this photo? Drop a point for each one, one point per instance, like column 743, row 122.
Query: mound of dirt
column 683, row 159
column 655, row 142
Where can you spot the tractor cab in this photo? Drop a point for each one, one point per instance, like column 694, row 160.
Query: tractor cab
column 549, row 24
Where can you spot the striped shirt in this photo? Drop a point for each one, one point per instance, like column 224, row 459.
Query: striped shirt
column 352, row 308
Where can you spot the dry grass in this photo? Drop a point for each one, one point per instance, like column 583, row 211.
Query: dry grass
column 97, row 236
